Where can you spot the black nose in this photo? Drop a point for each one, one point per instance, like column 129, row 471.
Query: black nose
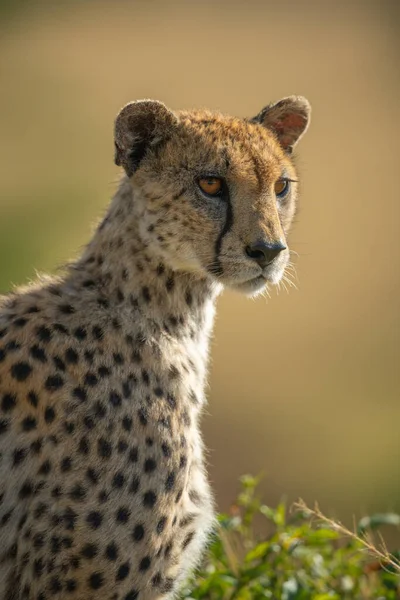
column 263, row 252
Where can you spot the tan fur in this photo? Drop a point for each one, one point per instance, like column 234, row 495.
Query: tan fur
column 103, row 492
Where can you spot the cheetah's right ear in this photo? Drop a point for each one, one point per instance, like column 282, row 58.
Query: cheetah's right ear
column 288, row 119
column 139, row 126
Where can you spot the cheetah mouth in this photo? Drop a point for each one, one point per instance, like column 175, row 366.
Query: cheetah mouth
column 250, row 286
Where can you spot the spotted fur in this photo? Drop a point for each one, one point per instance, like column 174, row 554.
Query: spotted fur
column 103, row 492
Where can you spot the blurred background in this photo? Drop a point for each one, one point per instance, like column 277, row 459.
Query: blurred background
column 304, row 386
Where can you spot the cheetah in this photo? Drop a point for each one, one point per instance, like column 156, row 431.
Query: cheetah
column 103, row 490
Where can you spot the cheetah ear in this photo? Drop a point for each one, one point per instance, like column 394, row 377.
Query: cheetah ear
column 288, row 119
column 140, row 126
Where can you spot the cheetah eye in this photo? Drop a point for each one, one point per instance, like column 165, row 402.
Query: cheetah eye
column 212, row 186
column 282, row 187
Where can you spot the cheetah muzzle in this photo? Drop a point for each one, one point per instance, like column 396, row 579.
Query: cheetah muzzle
column 103, row 491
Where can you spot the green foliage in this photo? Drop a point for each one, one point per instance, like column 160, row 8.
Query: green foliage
column 302, row 556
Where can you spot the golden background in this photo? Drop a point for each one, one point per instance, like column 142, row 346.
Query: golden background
column 305, row 386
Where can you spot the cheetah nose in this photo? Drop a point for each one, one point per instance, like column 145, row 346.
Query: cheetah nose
column 264, row 252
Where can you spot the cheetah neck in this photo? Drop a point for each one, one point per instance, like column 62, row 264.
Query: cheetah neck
column 126, row 276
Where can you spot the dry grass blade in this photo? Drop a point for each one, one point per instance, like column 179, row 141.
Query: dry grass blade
column 380, row 553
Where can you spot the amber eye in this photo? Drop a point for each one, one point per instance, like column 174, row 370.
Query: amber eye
column 212, row 186
column 281, row 187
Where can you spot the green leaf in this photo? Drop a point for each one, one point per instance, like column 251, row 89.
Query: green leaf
column 257, row 552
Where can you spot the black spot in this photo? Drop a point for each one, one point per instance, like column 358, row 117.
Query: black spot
column 133, row 454
column 49, row 414
column 123, row 572
column 88, row 283
column 94, row 519
column 40, row 510
column 156, row 579
column 21, row 371
column 146, row 294
column 122, row 515
column 55, row 585
column 38, row 353
column 170, row 284
column 54, row 382
column 122, row 446
column 118, row 480
column 12, row 346
column 99, row 410
column 38, row 568
column 104, row 448
column 69, row 427
column 89, row 550
column 166, row 450
column 88, row 421
column 96, row 581
column 20, row 322
column 2, row 354
column 104, row 371
column 80, row 393
column 89, row 356
column 161, row 525
column 170, row 481
column 149, row 441
column 118, row 358
column 59, row 363
column 56, row 492
column 91, row 379
column 116, row 324
column 183, row 462
column 127, row 423
column 26, row 490
column 78, row 492
column 66, row 464
column 132, row 595
column 32, row 309
column 189, row 298
column 142, row 416
column 115, row 399
column 33, row 399
column 145, row 563
column 150, row 465
column 111, row 551
column 92, row 475
column 8, row 402
column 67, row 309
column 136, row 357
column 149, row 499
column 145, row 377
column 71, row 585
column 158, row 392
column 103, row 302
column 43, row 333
column 71, row 356
column 83, row 447
column 28, row 424
column 45, row 468
column 60, row 328
column 36, row 446
column 69, row 518
column 80, row 333
column 135, row 484
column 97, row 332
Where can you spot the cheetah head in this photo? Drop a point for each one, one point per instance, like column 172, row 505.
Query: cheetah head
column 213, row 194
